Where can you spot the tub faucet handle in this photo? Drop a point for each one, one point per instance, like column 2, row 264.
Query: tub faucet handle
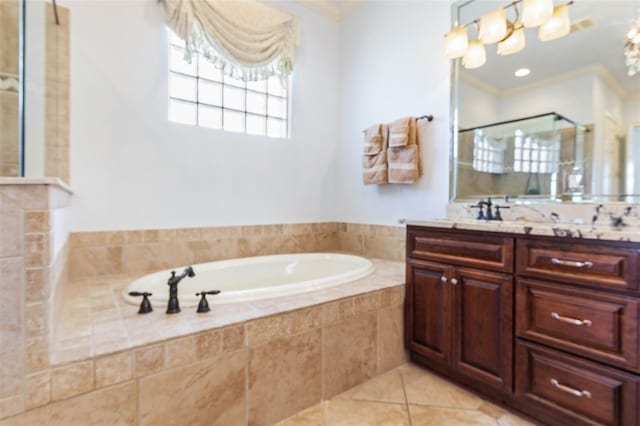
column 203, row 306
column 145, row 305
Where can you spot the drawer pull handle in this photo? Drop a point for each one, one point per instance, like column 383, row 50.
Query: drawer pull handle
column 572, row 391
column 573, row 263
column 568, row 320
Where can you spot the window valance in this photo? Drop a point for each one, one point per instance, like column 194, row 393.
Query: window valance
column 246, row 39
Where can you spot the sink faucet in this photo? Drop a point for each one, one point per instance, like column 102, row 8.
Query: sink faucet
column 490, row 215
column 173, row 306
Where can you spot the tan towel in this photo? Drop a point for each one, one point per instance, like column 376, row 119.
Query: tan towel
column 402, row 132
column 375, row 169
column 404, row 164
column 373, row 140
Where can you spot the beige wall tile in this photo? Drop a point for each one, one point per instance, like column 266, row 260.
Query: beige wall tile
column 11, row 371
column 210, row 392
column 37, row 315
column 337, row 311
column 113, row 369
column 37, row 354
column 71, row 380
column 148, row 360
column 208, row 344
column 233, row 338
column 38, row 389
column 37, row 284
column 391, row 351
column 284, row 377
column 367, row 302
column 115, row 405
column 10, row 407
column 180, row 352
column 306, row 319
column 36, row 250
column 349, row 353
column 11, row 229
column 95, row 261
column 36, row 221
column 350, row 242
column 392, row 296
column 264, row 329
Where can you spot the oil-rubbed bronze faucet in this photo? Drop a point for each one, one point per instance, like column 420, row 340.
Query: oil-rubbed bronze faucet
column 173, row 306
column 490, row 215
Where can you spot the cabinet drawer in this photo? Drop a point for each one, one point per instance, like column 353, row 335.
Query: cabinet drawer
column 484, row 251
column 591, row 323
column 602, row 265
column 572, row 390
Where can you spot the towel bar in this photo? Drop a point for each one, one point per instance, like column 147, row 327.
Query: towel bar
column 429, row 117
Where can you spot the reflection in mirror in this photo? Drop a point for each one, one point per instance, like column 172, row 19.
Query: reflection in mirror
column 585, row 143
column 34, row 79
column 10, row 146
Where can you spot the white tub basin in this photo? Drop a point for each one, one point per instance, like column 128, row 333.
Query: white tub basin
column 254, row 278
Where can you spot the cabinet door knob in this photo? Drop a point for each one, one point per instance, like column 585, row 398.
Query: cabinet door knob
column 443, row 279
column 454, row 281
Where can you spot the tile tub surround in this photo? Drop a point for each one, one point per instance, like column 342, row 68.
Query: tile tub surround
column 99, row 254
column 31, row 267
column 254, row 372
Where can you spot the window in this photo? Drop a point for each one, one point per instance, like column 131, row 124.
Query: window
column 488, row 153
column 200, row 94
column 532, row 154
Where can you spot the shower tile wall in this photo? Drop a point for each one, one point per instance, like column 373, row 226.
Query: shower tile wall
column 9, row 68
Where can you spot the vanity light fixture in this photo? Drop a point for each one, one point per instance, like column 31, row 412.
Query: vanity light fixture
column 494, row 27
column 456, row 43
column 632, row 49
column 513, row 44
column 522, row 72
column 536, row 12
column 558, row 26
column 476, row 55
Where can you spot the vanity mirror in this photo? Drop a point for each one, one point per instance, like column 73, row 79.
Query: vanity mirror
column 557, row 120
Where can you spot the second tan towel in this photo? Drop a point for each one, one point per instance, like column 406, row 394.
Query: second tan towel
column 403, row 153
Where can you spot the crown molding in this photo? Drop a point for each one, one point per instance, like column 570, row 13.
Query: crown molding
column 335, row 10
column 590, row 70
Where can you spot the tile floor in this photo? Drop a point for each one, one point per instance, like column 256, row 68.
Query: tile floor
column 408, row 395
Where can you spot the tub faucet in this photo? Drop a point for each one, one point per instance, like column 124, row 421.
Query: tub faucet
column 173, row 306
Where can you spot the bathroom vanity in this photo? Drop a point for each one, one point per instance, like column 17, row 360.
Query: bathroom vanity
column 544, row 324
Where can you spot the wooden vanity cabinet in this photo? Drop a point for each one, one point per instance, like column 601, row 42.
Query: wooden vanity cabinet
column 545, row 325
column 459, row 318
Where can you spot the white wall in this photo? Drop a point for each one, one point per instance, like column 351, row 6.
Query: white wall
column 131, row 168
column 392, row 65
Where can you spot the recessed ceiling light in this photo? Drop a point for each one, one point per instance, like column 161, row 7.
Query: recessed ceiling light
column 522, row 72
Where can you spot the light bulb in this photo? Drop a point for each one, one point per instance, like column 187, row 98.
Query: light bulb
column 536, row 12
column 476, row 55
column 558, row 26
column 513, row 44
column 456, row 42
column 493, row 26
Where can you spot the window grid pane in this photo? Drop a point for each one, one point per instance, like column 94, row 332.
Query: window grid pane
column 200, row 94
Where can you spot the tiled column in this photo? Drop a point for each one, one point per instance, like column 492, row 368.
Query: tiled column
column 26, row 260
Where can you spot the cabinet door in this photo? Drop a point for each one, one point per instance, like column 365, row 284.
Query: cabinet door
column 428, row 317
column 483, row 326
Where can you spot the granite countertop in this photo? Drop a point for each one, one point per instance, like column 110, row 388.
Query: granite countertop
column 614, row 221
column 532, row 228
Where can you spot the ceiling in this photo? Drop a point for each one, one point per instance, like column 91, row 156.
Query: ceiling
column 599, row 47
